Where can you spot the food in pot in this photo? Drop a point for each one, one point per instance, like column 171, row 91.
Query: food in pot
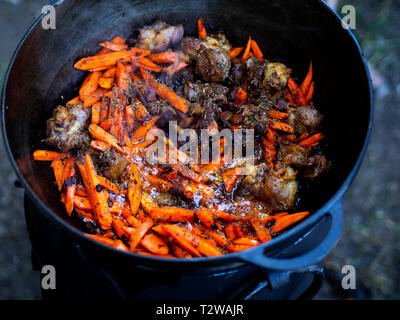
column 138, row 200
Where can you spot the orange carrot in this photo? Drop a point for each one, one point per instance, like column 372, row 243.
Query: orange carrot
column 110, row 73
column 74, row 100
column 43, row 155
column 206, row 217
column 146, row 64
column 278, row 115
column 305, row 86
column 58, row 169
column 241, row 96
column 114, row 46
column 69, row 196
column 134, row 189
column 201, row 29
column 106, row 61
column 256, row 50
column 122, row 77
column 141, row 112
column 164, row 57
column 109, row 185
column 246, row 53
column 96, row 113
column 230, row 178
column 246, row 241
column 141, row 132
column 234, row 52
column 288, row 220
column 229, row 231
column 154, row 244
column 172, row 214
column 262, row 232
column 296, row 93
column 167, row 94
column 90, row 84
column 97, row 198
column 310, row 92
column 101, row 239
column 281, row 126
column 139, row 233
column 106, row 83
column 99, row 134
column 82, row 203
column 100, row 145
column 238, row 247
column 183, row 237
column 179, row 252
column 311, row 140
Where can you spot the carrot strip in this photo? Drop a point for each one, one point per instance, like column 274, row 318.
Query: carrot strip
column 241, row 96
column 246, row 241
column 141, row 132
column 179, row 252
column 99, row 145
column 109, row 185
column 219, row 238
column 172, row 214
column 278, row 115
column 141, row 112
column 114, row 46
column 282, row 126
column 90, row 84
column 110, row 73
column 154, row 244
column 246, row 53
column 107, row 124
column 118, row 244
column 238, row 247
column 105, row 61
column 311, row 140
column 97, row 199
column 96, row 113
column 147, row 203
column 230, row 178
column 201, row 29
column 102, row 135
column 287, row 220
column 118, row 40
column 159, row 183
column 296, row 93
column 146, row 64
column 262, row 233
column 206, row 217
column 139, row 233
column 305, row 86
column 75, row 100
column 101, row 239
column 256, row 50
column 164, row 57
column 183, row 237
column 82, row 203
column 310, row 92
column 69, row 196
column 44, row 155
column 234, row 52
column 134, row 189
column 106, row 83
column 167, row 94
column 58, row 169
column 229, row 231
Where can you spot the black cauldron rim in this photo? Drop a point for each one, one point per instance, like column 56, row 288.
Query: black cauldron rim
column 239, row 257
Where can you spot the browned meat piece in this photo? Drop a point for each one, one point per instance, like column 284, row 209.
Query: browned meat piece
column 237, row 73
column 212, row 56
column 305, row 119
column 67, row 128
column 157, row 107
column 315, row 166
column 293, row 154
column 210, row 92
column 276, row 75
column 255, row 69
column 159, row 36
column 276, row 188
column 111, row 164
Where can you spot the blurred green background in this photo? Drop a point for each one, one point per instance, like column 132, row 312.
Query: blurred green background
column 371, row 206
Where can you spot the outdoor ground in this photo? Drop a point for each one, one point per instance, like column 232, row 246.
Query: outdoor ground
column 371, row 206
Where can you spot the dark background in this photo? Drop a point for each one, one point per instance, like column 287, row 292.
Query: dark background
column 371, row 206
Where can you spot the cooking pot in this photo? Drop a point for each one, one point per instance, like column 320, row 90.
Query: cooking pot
column 41, row 75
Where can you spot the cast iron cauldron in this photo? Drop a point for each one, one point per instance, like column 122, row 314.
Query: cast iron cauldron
column 41, row 75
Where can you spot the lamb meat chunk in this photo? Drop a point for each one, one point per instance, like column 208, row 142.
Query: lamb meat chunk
column 212, row 56
column 237, row 73
column 67, row 129
column 276, row 75
column 315, row 166
column 305, row 119
column 293, row 154
column 159, row 36
column 111, row 164
column 199, row 92
column 255, row 69
column 280, row 188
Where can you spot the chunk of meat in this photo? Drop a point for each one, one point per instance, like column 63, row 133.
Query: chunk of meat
column 305, row 119
column 212, row 56
column 276, row 75
column 315, row 166
column 276, row 188
column 210, row 92
column 111, row 164
column 293, row 154
column 255, row 70
column 159, row 36
column 66, row 129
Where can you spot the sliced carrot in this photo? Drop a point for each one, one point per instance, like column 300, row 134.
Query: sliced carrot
column 310, row 92
column 108, row 185
column 230, row 178
column 288, row 220
column 278, row 115
column 159, row 183
column 134, row 188
column 75, row 100
column 305, row 86
column 262, row 233
column 282, row 126
column 90, row 84
column 139, row 233
column 141, row 112
column 238, row 247
column 206, row 217
column 229, row 231
column 246, row 53
column 311, row 140
column 246, row 241
column 154, row 244
column 167, row 94
column 183, row 237
column 82, row 203
column 201, row 29
column 179, row 252
column 43, row 155
column 102, row 135
column 296, row 93
column 96, row 113
column 106, row 83
column 172, row 214
column 164, row 57
column 114, row 46
column 101, row 239
column 70, row 193
column 147, row 203
column 256, row 50
column 234, row 52
column 110, row 73
column 58, row 169
column 141, row 132
column 241, row 96
column 100, row 145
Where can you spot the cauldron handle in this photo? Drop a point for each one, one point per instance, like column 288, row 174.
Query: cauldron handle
column 258, row 258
